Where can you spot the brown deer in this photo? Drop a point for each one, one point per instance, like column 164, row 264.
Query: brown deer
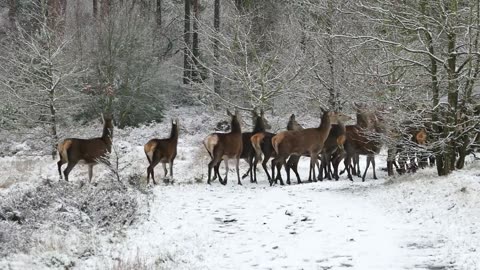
column 248, row 152
column 362, row 139
column 162, row 150
column 262, row 144
column 406, row 145
column 92, row 151
column 225, row 146
column 307, row 141
column 333, row 151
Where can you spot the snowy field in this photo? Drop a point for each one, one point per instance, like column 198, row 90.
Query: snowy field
column 416, row 221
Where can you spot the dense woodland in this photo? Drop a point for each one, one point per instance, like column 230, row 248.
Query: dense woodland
column 417, row 62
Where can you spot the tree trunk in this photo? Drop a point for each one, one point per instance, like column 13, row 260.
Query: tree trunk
column 158, row 13
column 195, row 43
column 216, row 50
column 333, row 93
column 186, row 51
column 95, row 9
column 56, row 12
column 12, row 12
column 436, row 114
column 106, row 5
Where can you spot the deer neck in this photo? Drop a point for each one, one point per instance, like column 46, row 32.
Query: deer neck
column 174, row 133
column 362, row 120
column 107, row 136
column 236, row 126
column 325, row 125
column 259, row 126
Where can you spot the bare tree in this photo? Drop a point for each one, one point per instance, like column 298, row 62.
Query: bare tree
column 187, row 67
column 438, row 41
column 216, row 51
column 158, row 13
column 36, row 76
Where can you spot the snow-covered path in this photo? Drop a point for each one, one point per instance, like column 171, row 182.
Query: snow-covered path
column 306, row 226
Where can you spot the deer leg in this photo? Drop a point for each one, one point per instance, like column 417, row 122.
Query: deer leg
column 248, row 171
column 59, row 165
column 264, row 165
column 322, row 168
column 237, row 167
column 294, row 167
column 336, row 162
column 171, row 169
column 165, row 172
column 287, row 170
column 273, row 172
column 373, row 167
column 283, row 162
column 90, row 173
column 148, row 158
column 317, row 163
column 69, row 168
column 151, row 168
column 292, row 163
column 366, row 168
column 250, row 163
column 255, row 163
column 357, row 164
column 211, row 165
column 312, row 168
column 346, row 163
column 225, row 179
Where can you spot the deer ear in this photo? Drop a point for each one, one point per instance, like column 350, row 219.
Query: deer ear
column 323, row 110
column 229, row 113
column 262, row 112
column 292, row 117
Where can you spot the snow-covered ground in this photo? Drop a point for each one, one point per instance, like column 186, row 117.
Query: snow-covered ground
column 417, row 221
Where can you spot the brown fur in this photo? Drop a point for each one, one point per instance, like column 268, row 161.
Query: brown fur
column 262, row 144
column 91, row 151
column 227, row 146
column 359, row 142
column 256, row 141
column 300, row 142
column 162, row 151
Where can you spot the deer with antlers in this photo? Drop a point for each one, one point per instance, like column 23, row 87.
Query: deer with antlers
column 225, row 146
column 162, row 151
column 301, row 142
column 91, row 151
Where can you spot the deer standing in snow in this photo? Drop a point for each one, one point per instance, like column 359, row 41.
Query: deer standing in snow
column 91, row 151
column 162, row 151
column 225, row 146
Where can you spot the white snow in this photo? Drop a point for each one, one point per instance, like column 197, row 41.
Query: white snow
column 414, row 221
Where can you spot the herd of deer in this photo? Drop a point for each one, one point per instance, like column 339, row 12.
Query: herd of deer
column 326, row 145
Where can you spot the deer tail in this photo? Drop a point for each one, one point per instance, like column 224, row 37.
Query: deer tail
column 149, row 148
column 210, row 142
column 63, row 148
column 256, row 140
column 341, row 141
column 275, row 142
